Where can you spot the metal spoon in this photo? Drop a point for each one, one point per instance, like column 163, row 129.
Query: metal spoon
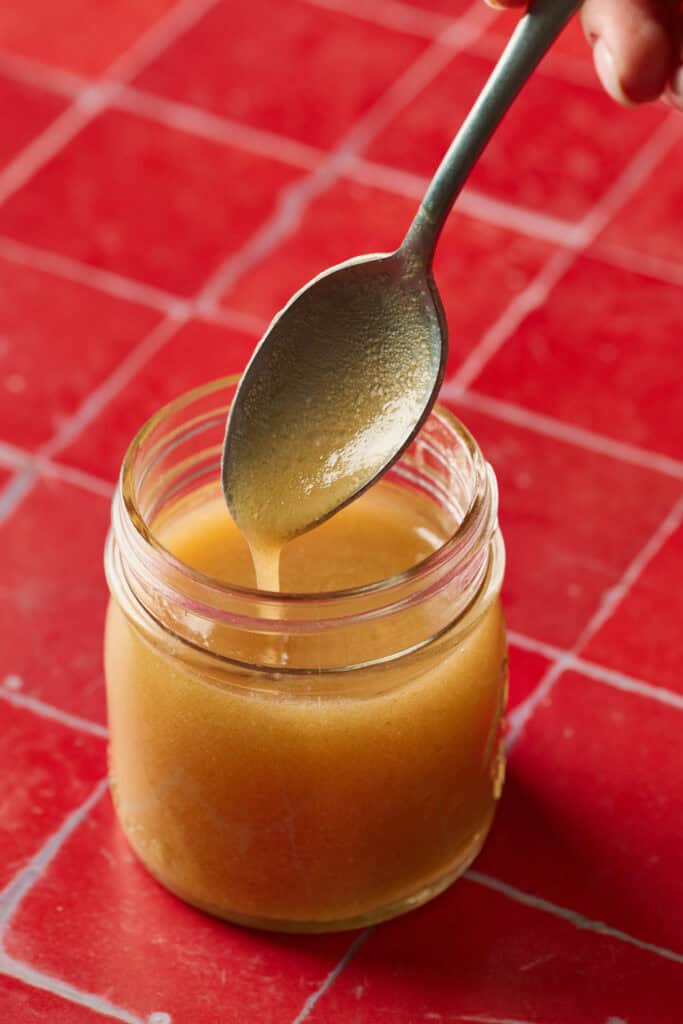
column 347, row 372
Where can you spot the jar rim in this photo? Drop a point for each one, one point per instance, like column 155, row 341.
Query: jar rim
column 459, row 541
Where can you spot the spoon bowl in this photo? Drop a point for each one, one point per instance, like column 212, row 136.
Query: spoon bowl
column 341, row 382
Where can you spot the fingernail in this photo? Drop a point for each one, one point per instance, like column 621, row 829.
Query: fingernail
column 607, row 73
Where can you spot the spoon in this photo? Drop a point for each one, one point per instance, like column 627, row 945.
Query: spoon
column 347, row 372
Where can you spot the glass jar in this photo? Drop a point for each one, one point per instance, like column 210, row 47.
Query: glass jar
column 304, row 762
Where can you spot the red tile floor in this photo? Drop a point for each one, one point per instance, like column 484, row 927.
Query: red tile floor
column 170, row 171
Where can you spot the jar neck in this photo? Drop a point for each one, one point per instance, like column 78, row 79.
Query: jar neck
column 177, row 455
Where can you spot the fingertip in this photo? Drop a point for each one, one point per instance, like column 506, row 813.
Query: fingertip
column 606, row 68
column 633, row 50
column 647, row 64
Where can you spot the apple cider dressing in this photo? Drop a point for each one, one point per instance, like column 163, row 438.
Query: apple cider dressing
column 315, row 769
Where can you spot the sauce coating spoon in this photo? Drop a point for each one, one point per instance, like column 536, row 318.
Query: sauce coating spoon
column 347, row 372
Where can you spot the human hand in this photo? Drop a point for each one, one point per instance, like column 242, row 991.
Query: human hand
column 637, row 47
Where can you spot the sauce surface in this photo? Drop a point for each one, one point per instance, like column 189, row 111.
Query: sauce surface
column 381, row 535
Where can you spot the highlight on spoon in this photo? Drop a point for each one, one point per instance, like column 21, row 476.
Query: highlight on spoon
column 334, row 393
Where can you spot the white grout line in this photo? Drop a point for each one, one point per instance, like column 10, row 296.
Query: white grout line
column 488, row 209
column 194, row 121
column 78, row 477
column 55, row 986
column 390, row 13
column 579, row 437
column 610, row 601
column 126, row 288
column 11, row 898
column 235, row 319
column 98, row 94
column 42, row 76
column 12, row 895
column 578, row 920
column 296, row 199
column 631, row 178
column 10, row 455
column 43, row 147
column 92, row 277
column 614, row 596
column 627, row 684
column 158, row 38
column 16, row 458
column 522, row 219
column 16, row 490
column 519, row 716
column 639, row 262
column 651, row 153
column 529, row 643
column 329, row 981
column 529, row 299
column 100, row 396
column 599, row 673
column 43, row 710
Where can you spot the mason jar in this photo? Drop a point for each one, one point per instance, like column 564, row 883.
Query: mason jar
column 303, row 761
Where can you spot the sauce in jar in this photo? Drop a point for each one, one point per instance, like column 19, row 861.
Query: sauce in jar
column 325, row 757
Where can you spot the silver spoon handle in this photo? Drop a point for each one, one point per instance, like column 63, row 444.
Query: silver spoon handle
column 533, row 36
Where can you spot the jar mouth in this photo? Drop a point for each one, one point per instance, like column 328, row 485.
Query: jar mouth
column 477, row 522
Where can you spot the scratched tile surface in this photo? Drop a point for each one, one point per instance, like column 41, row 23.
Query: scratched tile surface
column 170, row 172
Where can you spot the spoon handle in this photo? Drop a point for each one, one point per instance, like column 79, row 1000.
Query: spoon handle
column 533, row 36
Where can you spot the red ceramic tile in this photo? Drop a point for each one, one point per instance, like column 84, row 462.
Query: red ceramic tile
column 58, row 340
column 76, row 34
column 606, row 332
column 25, row 111
column 174, row 959
column 304, row 71
column 572, row 519
column 53, row 596
column 526, row 671
column 351, row 219
column 451, row 8
column 198, row 353
column 22, row 1004
column 558, row 150
column 649, row 223
column 200, row 201
column 591, row 815
column 643, row 637
column 477, row 956
column 47, row 770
